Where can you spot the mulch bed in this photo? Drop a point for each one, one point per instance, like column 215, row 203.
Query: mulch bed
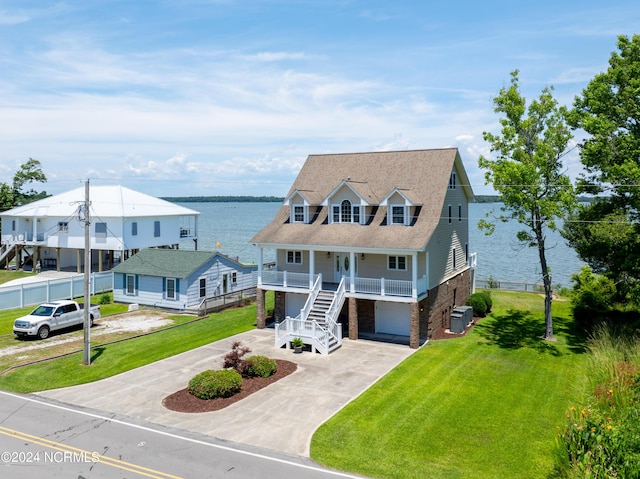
column 182, row 401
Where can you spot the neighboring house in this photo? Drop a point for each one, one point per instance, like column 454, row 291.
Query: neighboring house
column 377, row 241
column 178, row 279
column 122, row 221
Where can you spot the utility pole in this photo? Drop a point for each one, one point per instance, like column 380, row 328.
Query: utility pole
column 87, row 276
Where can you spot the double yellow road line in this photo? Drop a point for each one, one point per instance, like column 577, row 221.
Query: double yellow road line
column 76, row 454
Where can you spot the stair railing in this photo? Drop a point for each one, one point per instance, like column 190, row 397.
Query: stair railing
column 313, row 294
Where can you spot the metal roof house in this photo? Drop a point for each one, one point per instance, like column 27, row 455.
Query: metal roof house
column 375, row 242
column 179, row 279
column 123, row 221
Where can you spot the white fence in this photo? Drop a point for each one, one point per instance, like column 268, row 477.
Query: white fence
column 27, row 294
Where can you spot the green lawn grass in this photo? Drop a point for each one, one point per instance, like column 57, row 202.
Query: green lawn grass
column 7, row 317
column 116, row 358
column 482, row 406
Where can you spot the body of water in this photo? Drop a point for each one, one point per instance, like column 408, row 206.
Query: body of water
column 500, row 255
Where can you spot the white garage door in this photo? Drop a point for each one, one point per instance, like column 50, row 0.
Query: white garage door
column 294, row 302
column 392, row 318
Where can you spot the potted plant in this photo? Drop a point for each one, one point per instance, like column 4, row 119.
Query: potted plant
column 297, row 344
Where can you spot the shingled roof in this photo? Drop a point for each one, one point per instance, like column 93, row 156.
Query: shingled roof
column 422, row 175
column 174, row 263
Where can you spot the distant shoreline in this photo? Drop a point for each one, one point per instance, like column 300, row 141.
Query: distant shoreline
column 224, row 199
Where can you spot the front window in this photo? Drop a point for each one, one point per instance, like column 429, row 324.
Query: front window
column 131, row 285
column 203, row 287
column 171, row 288
column 134, row 229
column 397, row 215
column 397, row 263
column 63, row 227
column 294, row 257
column 234, row 278
column 156, row 229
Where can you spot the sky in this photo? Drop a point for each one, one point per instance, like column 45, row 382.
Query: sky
column 229, row 97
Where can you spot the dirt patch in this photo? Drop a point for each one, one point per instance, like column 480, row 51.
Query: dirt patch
column 182, row 401
column 117, row 324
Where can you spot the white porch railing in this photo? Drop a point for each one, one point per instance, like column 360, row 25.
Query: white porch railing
column 304, row 312
column 286, row 279
column 386, row 287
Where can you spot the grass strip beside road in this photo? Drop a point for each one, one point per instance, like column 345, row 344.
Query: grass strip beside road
column 483, row 406
column 117, row 358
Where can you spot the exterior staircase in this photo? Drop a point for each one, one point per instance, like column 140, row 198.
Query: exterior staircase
column 317, row 323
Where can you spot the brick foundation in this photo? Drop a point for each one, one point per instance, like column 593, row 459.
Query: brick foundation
column 441, row 301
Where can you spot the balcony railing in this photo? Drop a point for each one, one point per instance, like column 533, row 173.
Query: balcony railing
column 286, row 279
column 373, row 286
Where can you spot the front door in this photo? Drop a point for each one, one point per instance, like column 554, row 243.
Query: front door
column 341, row 266
column 338, row 266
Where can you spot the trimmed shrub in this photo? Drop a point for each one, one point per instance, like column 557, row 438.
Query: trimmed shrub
column 211, row 384
column 105, row 298
column 479, row 304
column 487, row 299
column 259, row 366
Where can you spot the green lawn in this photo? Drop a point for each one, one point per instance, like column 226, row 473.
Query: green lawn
column 116, row 358
column 483, row 406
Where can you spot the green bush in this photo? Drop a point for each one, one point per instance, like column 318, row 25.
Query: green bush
column 479, row 304
column 487, row 299
column 593, row 298
column 210, row 384
column 259, row 366
column 105, row 298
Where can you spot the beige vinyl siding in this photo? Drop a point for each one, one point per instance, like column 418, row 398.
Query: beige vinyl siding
column 449, row 235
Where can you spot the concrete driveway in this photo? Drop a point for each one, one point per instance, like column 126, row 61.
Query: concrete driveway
column 281, row 417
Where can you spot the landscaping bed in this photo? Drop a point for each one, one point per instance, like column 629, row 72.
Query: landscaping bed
column 183, row 401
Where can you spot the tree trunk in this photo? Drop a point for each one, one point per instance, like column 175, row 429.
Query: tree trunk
column 546, row 279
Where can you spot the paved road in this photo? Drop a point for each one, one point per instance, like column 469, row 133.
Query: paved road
column 41, row 438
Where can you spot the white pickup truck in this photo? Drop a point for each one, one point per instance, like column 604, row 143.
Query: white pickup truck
column 53, row 316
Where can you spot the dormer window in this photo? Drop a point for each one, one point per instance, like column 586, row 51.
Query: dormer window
column 397, row 215
column 346, row 212
column 298, row 214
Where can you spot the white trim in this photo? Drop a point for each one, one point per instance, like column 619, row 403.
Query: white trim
column 175, row 289
column 397, row 268
column 294, row 256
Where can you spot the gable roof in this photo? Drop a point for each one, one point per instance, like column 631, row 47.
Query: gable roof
column 174, row 263
column 422, row 176
column 106, row 202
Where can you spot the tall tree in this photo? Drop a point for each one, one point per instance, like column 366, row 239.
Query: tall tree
column 605, row 233
column 527, row 172
column 13, row 195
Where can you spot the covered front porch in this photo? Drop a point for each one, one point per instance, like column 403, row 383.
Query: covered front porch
column 365, row 275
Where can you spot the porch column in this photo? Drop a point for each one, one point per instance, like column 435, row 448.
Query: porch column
column 312, row 267
column 352, row 271
column 353, row 318
column 414, row 325
column 78, row 261
column 260, row 303
column 260, row 261
column 100, row 261
column 414, row 275
column 58, row 260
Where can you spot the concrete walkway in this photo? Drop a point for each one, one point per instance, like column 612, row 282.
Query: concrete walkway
column 281, row 417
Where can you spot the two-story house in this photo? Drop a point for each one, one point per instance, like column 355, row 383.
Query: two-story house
column 122, row 221
column 378, row 242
